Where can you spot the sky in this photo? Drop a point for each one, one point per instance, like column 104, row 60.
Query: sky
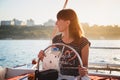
column 100, row 12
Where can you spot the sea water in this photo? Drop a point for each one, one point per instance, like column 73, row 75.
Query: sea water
column 19, row 52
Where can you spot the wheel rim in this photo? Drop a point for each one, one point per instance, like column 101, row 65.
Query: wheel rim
column 64, row 45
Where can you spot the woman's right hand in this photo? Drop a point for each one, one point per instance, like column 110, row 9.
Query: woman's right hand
column 41, row 55
column 83, row 71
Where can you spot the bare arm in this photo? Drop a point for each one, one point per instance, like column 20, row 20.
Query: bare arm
column 84, row 55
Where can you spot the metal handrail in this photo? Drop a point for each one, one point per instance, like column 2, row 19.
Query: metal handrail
column 105, row 47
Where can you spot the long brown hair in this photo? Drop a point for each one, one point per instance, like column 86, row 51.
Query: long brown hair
column 75, row 29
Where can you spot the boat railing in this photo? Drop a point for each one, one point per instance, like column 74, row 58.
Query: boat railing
column 104, row 70
column 93, row 47
column 104, row 66
column 106, row 76
column 99, row 67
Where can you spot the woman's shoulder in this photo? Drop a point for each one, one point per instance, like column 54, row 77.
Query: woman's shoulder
column 83, row 41
column 57, row 37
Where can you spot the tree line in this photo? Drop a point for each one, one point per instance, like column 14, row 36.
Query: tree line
column 45, row 32
column 102, row 32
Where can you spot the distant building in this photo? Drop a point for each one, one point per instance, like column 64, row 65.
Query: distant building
column 49, row 23
column 13, row 22
column 16, row 22
column 6, row 23
column 30, row 22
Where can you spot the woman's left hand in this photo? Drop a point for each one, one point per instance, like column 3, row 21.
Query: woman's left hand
column 82, row 71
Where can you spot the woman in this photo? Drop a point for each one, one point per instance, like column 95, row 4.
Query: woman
column 71, row 34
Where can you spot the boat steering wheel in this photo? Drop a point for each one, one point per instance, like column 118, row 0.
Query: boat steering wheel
column 52, row 60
